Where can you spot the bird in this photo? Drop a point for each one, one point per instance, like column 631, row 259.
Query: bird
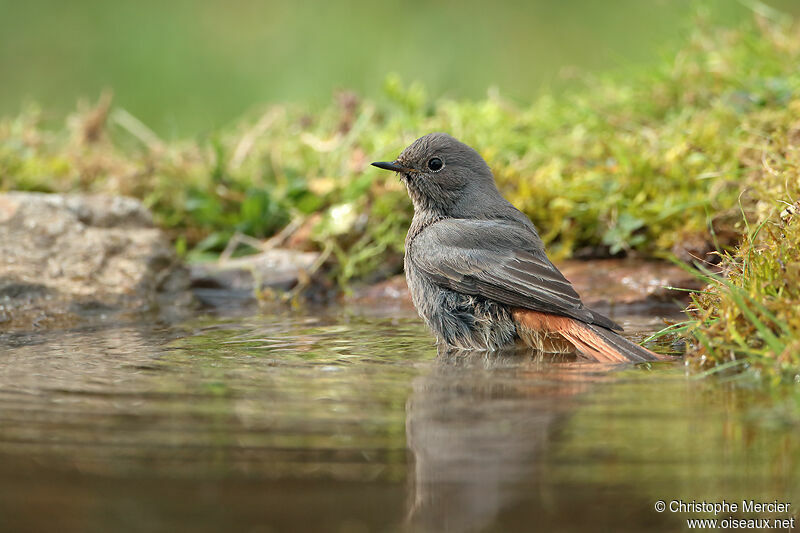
column 477, row 269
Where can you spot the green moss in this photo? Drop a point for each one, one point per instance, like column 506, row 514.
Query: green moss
column 748, row 316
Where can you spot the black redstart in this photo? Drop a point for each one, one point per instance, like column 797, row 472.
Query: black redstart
column 477, row 270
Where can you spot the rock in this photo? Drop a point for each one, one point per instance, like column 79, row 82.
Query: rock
column 74, row 259
column 392, row 291
column 601, row 283
column 628, row 282
column 235, row 281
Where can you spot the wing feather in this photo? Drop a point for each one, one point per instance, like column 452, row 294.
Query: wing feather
column 501, row 261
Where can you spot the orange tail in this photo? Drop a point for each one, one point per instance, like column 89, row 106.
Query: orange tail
column 556, row 333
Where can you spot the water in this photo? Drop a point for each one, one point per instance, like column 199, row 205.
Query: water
column 350, row 422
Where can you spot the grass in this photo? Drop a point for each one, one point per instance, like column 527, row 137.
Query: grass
column 748, row 316
column 673, row 162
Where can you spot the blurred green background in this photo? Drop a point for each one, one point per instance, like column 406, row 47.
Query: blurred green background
column 185, row 67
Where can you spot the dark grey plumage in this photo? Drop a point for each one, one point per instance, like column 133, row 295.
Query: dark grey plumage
column 472, row 258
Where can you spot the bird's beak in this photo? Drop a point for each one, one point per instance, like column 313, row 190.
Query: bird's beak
column 394, row 166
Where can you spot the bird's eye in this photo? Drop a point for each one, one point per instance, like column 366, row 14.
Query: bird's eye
column 435, row 164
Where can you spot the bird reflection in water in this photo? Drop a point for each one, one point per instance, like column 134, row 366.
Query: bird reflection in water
column 479, row 426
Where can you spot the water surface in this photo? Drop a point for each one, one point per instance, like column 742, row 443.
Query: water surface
column 351, row 422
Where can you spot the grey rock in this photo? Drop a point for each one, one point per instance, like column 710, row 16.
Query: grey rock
column 72, row 259
column 223, row 283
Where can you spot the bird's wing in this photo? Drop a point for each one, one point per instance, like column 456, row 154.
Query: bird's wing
column 501, row 261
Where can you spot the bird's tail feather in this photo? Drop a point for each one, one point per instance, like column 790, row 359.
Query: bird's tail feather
column 603, row 344
column 592, row 341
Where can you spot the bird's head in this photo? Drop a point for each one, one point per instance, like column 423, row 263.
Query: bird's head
column 445, row 176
